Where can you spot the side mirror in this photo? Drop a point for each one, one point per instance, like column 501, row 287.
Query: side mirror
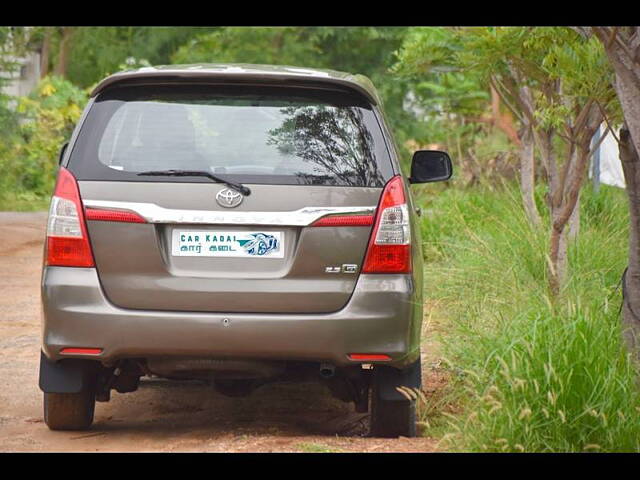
column 430, row 166
column 62, row 150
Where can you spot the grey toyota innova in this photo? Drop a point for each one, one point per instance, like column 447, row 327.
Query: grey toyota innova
column 237, row 225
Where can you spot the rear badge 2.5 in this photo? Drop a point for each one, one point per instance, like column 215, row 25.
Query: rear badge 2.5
column 346, row 268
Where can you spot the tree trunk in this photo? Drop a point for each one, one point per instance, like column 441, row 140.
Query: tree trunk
column 559, row 250
column 45, row 52
column 565, row 201
column 544, row 140
column 527, row 176
column 622, row 51
column 631, row 286
column 626, row 65
column 574, row 221
column 558, row 259
column 63, row 52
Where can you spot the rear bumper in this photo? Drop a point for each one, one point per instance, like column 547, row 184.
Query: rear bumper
column 383, row 316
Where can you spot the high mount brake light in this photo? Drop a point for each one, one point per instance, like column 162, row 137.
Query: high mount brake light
column 389, row 249
column 67, row 237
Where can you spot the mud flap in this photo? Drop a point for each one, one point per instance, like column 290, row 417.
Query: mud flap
column 66, row 376
column 389, row 378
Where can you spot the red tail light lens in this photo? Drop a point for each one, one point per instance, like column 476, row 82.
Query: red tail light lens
column 359, row 357
column 344, row 221
column 389, row 249
column 113, row 216
column 67, row 238
column 81, row 351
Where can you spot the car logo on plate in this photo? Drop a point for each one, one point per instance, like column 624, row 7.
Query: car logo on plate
column 229, row 198
column 260, row 244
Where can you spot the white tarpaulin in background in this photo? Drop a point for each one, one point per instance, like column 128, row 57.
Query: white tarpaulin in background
column 610, row 165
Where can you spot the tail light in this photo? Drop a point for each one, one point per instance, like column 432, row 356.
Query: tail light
column 389, row 249
column 67, row 238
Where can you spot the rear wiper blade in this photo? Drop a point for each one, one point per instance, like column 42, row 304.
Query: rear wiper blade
column 198, row 173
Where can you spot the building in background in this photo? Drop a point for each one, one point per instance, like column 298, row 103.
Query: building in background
column 25, row 78
column 605, row 162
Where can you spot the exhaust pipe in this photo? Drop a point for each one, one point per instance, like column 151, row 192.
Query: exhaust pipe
column 327, row 370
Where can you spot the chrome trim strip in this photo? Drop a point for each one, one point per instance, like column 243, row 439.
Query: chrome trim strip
column 153, row 213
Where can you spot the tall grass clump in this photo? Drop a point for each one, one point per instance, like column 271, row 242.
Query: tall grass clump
column 540, row 373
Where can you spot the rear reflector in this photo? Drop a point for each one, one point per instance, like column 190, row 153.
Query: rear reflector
column 67, row 237
column 344, row 221
column 113, row 216
column 367, row 357
column 82, row 351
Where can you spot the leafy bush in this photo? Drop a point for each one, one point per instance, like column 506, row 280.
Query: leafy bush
column 541, row 375
column 46, row 120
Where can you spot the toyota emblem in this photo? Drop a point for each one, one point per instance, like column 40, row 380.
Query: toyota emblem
column 229, row 198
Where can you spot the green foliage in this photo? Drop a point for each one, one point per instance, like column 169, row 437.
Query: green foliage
column 584, row 70
column 365, row 50
column 427, row 50
column 13, row 43
column 267, row 45
column 446, row 83
column 511, row 57
column 8, row 122
column 23, row 201
column 99, row 51
column 447, row 99
column 47, row 119
column 540, row 375
column 453, row 92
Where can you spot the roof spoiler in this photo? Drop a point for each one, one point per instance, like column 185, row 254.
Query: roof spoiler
column 291, row 76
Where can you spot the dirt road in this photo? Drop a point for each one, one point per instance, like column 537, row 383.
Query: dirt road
column 161, row 415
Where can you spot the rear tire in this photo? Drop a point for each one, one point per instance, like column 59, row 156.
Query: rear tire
column 69, row 411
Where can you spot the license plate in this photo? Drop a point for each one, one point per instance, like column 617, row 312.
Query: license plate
column 227, row 243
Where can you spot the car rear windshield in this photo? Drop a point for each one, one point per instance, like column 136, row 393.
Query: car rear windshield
column 264, row 135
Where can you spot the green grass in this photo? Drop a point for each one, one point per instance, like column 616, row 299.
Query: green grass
column 536, row 373
column 22, row 202
column 308, row 447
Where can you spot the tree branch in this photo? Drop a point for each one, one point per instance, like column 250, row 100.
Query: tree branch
column 595, row 147
column 606, row 120
column 612, row 37
column 500, row 88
